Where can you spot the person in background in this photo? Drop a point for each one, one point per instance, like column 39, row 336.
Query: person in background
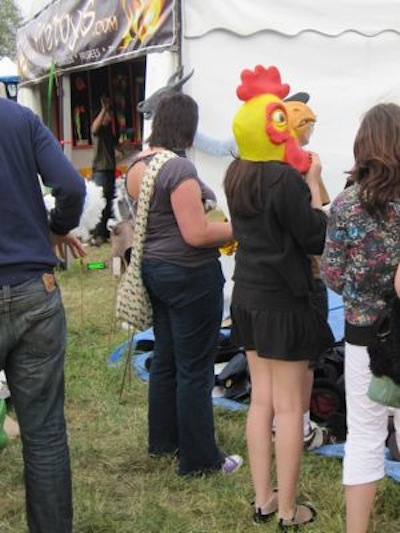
column 278, row 221
column 359, row 261
column 302, row 119
column 104, row 165
column 182, row 273
column 32, row 320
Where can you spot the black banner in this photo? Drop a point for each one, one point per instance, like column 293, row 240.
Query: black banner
column 74, row 34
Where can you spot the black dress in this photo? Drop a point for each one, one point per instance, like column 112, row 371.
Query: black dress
column 271, row 308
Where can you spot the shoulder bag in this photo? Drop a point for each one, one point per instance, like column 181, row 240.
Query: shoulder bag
column 133, row 303
column 384, row 352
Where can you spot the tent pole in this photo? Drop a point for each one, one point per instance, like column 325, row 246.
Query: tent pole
column 179, row 33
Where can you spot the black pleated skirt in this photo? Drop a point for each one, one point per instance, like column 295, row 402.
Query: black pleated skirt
column 278, row 325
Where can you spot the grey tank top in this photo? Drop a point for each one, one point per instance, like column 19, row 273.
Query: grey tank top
column 164, row 241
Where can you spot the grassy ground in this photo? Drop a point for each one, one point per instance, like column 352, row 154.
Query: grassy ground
column 117, row 487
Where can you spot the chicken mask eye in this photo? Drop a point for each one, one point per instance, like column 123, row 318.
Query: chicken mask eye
column 279, row 117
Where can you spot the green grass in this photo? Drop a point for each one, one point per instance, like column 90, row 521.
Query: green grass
column 117, row 487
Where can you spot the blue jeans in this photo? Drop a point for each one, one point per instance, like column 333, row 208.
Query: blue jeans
column 32, row 348
column 187, row 304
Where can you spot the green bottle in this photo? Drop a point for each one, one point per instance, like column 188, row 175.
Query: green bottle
column 96, row 265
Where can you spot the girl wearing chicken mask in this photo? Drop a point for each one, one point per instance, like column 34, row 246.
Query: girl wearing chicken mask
column 273, row 318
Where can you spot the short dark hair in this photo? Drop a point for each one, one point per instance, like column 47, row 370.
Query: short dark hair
column 377, row 157
column 175, row 122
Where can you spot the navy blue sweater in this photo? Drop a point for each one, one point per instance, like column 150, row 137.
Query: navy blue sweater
column 29, row 149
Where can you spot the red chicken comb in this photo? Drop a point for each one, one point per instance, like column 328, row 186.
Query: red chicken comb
column 261, row 81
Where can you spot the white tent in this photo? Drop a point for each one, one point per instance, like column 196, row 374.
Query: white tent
column 343, row 53
column 8, row 71
column 8, row 79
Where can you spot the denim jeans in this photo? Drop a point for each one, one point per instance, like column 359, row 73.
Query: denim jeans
column 32, row 348
column 187, row 304
column 106, row 180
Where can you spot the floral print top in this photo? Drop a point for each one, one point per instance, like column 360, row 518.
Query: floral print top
column 361, row 255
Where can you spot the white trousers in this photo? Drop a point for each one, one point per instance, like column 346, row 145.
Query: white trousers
column 367, row 422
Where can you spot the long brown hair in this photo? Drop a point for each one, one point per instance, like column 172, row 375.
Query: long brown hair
column 377, row 158
column 242, row 184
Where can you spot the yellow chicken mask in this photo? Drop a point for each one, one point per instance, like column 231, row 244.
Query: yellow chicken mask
column 261, row 125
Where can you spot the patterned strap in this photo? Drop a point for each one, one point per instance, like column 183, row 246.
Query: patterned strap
column 146, row 191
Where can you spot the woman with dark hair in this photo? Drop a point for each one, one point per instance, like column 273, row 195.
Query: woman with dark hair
column 182, row 273
column 359, row 261
column 278, row 222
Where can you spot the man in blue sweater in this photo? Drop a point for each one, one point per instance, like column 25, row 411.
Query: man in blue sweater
column 32, row 320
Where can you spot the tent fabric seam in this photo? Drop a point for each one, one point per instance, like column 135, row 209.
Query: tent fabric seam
column 290, row 35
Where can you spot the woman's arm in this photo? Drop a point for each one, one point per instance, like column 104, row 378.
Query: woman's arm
column 189, row 212
column 313, row 180
column 397, row 281
column 333, row 260
column 292, row 200
column 134, row 178
column 188, row 209
column 98, row 121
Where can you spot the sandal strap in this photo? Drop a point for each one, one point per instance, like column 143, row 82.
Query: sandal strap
column 285, row 524
column 264, row 513
column 271, row 505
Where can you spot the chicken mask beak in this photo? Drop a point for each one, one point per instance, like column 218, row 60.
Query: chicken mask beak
column 301, row 120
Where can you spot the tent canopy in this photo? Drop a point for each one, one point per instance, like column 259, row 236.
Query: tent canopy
column 343, row 55
column 288, row 17
column 8, row 71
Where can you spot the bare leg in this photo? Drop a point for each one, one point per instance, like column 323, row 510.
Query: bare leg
column 259, row 427
column 307, row 390
column 288, row 388
column 396, row 421
column 359, row 502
